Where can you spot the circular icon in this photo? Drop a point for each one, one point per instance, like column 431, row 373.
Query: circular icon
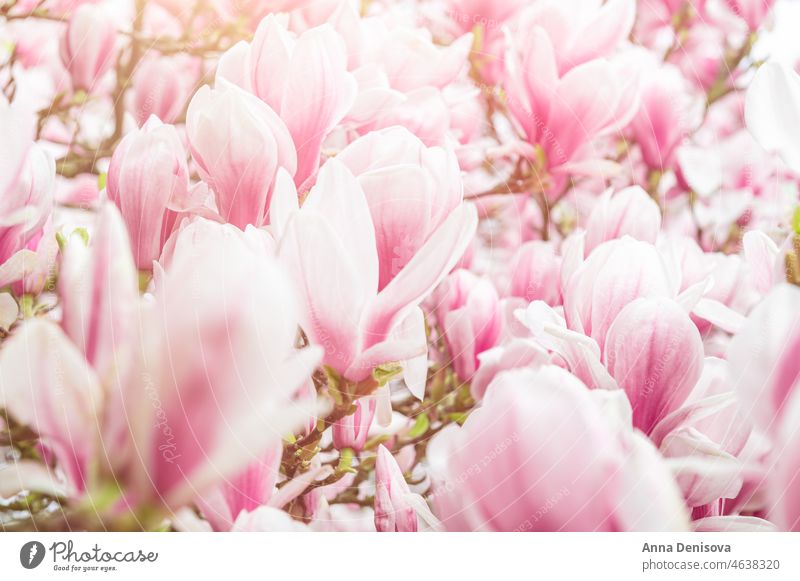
column 31, row 554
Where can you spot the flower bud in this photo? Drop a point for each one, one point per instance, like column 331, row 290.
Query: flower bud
column 351, row 431
column 238, row 143
column 158, row 90
column 540, row 455
column 410, row 188
column 396, row 507
column 88, row 46
column 628, row 212
column 27, row 205
column 148, row 173
column 469, row 312
column 535, row 273
column 655, row 353
column 615, row 273
column 98, row 287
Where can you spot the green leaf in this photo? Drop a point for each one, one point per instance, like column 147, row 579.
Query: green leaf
column 796, row 221
column 458, row 417
column 346, row 461
column 375, row 441
column 420, row 426
column 383, row 374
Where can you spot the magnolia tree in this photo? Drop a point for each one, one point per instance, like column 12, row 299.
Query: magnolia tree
column 398, row 266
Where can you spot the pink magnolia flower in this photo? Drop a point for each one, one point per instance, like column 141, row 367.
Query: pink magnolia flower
column 194, row 234
column 629, row 212
column 704, row 472
column 238, row 143
column 514, row 354
column 396, row 507
column 702, row 55
column 29, row 270
column 726, row 275
column 535, row 273
column 760, row 255
column 578, row 30
column 615, row 274
column 424, row 112
column 211, row 359
column 98, row 287
column 411, row 190
column 46, row 383
column 27, row 203
column 403, row 76
column 611, row 357
column 737, row 164
column 468, row 310
column 331, row 243
column 764, row 370
column 88, row 47
column 762, row 356
column 706, row 439
column 14, row 153
column 655, row 353
column 303, row 78
column 665, row 116
column 244, row 492
column 539, row 455
column 560, row 114
column 412, row 61
column 201, row 360
column 148, row 179
column 752, row 12
column 351, row 431
column 159, row 89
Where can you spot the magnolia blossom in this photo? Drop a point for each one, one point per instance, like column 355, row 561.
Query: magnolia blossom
column 540, row 432
column 88, row 45
column 613, row 275
column 351, row 431
column 160, row 89
column 148, row 174
column 331, row 241
column 238, row 144
column 550, row 99
column 628, row 212
column 159, row 453
column 303, row 79
column 26, row 205
column 333, row 265
column 655, row 353
column 396, row 507
column 410, row 188
column 98, row 286
column 468, row 309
